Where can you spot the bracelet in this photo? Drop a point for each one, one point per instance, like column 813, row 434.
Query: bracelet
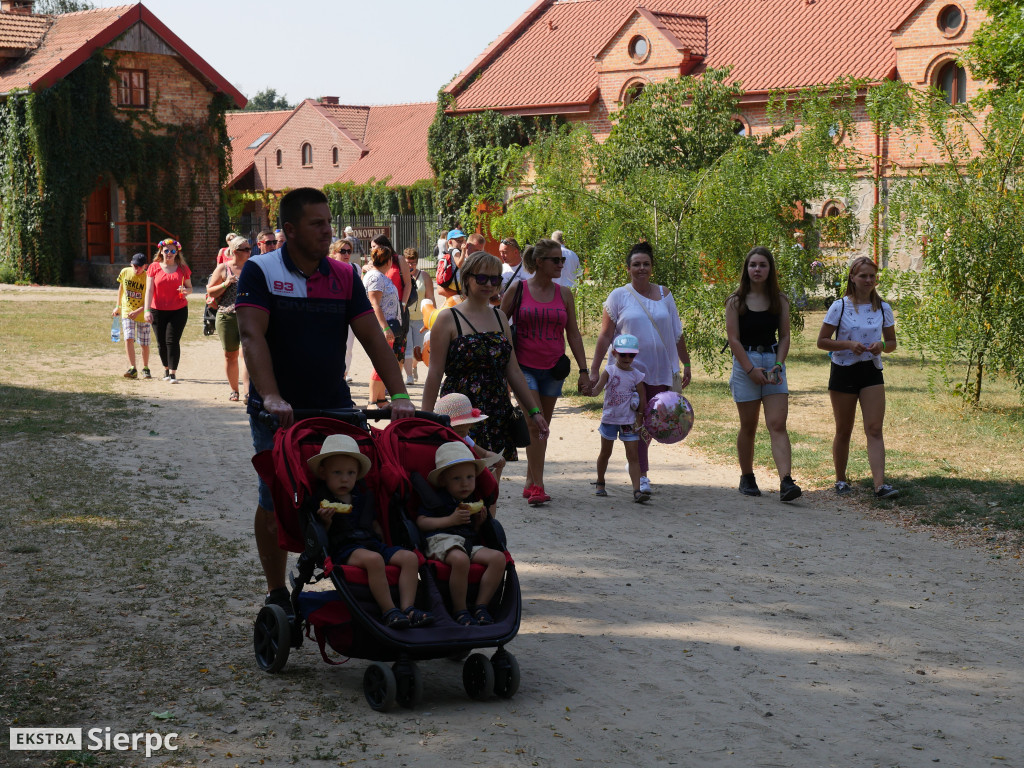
column 883, row 345
column 401, row 396
column 534, row 411
column 583, row 372
column 752, row 367
column 686, row 365
column 777, row 365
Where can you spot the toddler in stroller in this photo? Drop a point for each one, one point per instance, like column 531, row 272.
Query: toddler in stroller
column 451, row 528
column 354, row 537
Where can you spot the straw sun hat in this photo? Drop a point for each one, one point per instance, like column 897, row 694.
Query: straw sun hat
column 458, row 409
column 341, row 445
column 450, row 454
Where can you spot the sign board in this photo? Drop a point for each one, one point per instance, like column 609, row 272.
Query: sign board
column 368, row 233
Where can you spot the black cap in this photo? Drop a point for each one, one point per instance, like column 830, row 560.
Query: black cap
column 139, row 260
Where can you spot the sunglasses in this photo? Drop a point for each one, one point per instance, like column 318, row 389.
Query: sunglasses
column 247, row 250
column 554, row 259
column 171, row 251
column 626, row 354
column 494, row 280
column 344, row 250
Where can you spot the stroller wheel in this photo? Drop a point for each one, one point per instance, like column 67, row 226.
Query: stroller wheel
column 409, row 682
column 506, row 674
column 478, row 676
column 271, row 638
column 379, row 686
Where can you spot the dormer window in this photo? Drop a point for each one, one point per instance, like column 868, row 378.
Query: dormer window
column 639, row 49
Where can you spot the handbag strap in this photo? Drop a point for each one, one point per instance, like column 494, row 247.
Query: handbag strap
column 512, row 278
column 649, row 317
column 517, row 302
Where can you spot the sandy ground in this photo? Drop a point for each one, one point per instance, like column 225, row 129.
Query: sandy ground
column 704, row 628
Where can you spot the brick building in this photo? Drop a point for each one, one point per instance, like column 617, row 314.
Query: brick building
column 159, row 75
column 321, row 142
column 584, row 59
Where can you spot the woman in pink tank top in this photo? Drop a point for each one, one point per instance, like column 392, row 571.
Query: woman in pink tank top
column 544, row 316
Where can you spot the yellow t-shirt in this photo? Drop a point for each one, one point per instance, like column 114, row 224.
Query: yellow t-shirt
column 133, row 294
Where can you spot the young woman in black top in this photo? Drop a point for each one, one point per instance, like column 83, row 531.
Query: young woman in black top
column 757, row 323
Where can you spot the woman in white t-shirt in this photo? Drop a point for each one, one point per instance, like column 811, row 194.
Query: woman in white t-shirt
column 866, row 329
column 646, row 310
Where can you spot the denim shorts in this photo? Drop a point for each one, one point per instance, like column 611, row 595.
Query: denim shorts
column 542, row 382
column 624, row 432
column 262, row 440
column 744, row 390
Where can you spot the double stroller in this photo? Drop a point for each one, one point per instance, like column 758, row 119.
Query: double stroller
column 345, row 617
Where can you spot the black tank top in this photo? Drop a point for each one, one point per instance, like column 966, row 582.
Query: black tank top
column 758, row 329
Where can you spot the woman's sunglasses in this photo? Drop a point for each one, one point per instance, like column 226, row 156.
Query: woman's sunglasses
column 494, row 280
column 171, row 251
column 554, row 259
column 344, row 250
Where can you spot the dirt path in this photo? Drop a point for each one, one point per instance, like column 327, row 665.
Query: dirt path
column 702, row 629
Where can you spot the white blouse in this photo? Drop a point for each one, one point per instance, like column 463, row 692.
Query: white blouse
column 858, row 322
column 658, row 358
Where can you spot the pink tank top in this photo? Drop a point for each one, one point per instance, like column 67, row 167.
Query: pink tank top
column 540, row 330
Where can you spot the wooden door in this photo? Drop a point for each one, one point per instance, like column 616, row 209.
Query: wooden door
column 97, row 223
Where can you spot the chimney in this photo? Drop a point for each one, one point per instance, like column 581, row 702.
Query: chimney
column 17, row 7
column 329, row 100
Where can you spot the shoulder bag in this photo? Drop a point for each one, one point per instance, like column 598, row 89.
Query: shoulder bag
column 677, row 376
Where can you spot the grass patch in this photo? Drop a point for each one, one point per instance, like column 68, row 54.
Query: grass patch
column 959, row 465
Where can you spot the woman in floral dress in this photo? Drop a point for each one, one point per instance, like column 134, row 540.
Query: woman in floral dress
column 470, row 348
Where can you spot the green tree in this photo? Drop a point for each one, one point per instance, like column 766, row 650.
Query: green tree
column 61, row 6
column 675, row 173
column 967, row 307
column 267, row 100
column 997, row 50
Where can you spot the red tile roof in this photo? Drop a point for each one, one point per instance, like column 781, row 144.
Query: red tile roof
column 22, row 31
column 351, row 119
column 396, row 135
column 546, row 58
column 243, row 129
column 73, row 37
column 691, row 32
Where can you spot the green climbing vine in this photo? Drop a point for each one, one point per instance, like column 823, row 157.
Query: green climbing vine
column 378, row 199
column 56, row 144
column 477, row 157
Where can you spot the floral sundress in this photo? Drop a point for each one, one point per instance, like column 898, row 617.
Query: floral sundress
column 475, row 366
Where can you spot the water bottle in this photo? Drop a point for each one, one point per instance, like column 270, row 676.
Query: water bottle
column 115, row 329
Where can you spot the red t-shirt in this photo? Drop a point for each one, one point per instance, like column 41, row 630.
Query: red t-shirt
column 223, row 255
column 395, row 276
column 165, row 287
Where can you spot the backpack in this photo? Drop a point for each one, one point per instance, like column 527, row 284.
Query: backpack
column 447, row 272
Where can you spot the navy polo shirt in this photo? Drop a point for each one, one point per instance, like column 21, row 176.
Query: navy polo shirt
column 308, row 327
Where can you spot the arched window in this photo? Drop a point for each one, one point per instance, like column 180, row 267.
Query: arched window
column 280, row 158
column 831, row 209
column 740, row 127
column 952, row 81
column 632, row 93
column 307, row 154
column 334, row 155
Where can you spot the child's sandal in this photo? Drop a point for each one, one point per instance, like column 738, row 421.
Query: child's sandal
column 418, row 618
column 465, row 618
column 395, row 619
column 482, row 615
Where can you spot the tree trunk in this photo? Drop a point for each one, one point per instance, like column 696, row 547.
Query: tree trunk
column 977, row 379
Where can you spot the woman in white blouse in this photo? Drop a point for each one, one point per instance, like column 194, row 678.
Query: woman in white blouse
column 866, row 329
column 648, row 311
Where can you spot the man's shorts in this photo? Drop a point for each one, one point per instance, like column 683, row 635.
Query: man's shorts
column 262, row 440
column 379, row 547
column 438, row 546
column 136, row 331
column 851, row 379
column 624, row 432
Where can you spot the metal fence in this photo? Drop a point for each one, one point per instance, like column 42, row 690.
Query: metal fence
column 419, row 232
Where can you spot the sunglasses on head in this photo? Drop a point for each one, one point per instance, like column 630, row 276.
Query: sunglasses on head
column 494, row 280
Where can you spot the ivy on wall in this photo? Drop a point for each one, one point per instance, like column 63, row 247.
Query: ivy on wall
column 376, row 198
column 477, row 157
column 56, row 145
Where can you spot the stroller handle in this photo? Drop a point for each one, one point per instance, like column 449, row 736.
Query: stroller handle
column 357, row 417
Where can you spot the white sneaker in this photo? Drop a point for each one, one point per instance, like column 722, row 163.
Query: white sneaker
column 410, row 380
column 645, row 484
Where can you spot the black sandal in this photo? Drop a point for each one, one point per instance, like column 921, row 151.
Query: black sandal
column 641, row 497
column 418, row 618
column 482, row 615
column 395, row 619
column 464, row 618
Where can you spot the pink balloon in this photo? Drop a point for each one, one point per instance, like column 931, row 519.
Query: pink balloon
column 668, row 417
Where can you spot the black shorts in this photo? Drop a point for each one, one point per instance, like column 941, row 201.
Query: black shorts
column 851, row 379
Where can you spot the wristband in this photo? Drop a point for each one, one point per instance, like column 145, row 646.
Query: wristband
column 534, row 411
column 686, row 365
column 401, row 396
column 777, row 365
column 883, row 345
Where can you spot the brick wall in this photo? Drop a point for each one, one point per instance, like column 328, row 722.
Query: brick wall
column 177, row 97
column 307, row 125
